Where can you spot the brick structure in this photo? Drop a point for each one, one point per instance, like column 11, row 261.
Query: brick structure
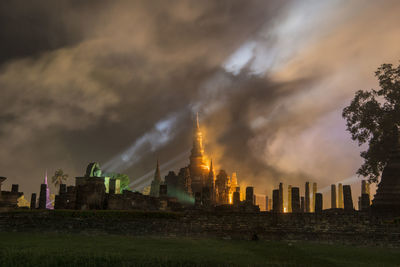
column 250, row 194
column 295, row 199
column 318, row 203
column 333, row 196
column 43, row 196
column 347, row 198
column 275, row 201
column 33, row 201
column 387, row 197
column 307, row 197
column 281, row 204
column 340, row 196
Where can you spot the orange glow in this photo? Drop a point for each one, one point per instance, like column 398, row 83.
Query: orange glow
column 230, row 199
column 285, row 210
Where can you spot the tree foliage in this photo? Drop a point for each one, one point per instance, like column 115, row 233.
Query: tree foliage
column 124, row 179
column 373, row 118
column 59, row 177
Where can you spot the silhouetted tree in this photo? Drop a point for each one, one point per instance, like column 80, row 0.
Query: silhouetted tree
column 59, row 177
column 373, row 117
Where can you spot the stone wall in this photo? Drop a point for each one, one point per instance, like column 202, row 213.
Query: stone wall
column 334, row 226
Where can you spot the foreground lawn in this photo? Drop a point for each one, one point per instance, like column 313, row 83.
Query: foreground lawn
column 25, row 249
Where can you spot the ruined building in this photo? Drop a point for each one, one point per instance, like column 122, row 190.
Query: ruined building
column 94, row 190
column 198, row 179
column 9, row 199
column 387, row 197
column 155, row 184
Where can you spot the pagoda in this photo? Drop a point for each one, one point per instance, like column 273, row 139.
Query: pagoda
column 387, row 197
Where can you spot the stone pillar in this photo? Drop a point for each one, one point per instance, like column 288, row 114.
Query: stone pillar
column 266, row 203
column 347, row 199
column 340, row 197
column 250, row 194
column 206, row 196
column 313, row 197
column 2, row 179
column 236, row 198
column 333, row 196
column 365, row 190
column 281, row 204
column 365, row 202
column 42, row 196
column 318, row 203
column 363, row 186
column 63, row 189
column 197, row 199
column 289, row 199
column 307, row 197
column 302, row 206
column 275, row 201
column 111, row 186
column 295, row 199
column 33, row 201
column 14, row 188
column 163, row 190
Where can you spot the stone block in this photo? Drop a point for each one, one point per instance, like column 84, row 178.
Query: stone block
column 295, row 199
column 318, row 203
column 347, row 199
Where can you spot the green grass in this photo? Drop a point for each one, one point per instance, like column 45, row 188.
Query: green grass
column 28, row 249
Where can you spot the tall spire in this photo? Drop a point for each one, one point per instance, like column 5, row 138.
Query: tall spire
column 197, row 121
column 157, row 175
column 197, row 150
column 48, row 201
column 198, row 168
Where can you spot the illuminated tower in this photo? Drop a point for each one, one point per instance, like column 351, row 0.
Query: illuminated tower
column 313, row 197
column 198, row 169
column 333, row 196
column 155, row 184
column 49, row 205
column 233, row 186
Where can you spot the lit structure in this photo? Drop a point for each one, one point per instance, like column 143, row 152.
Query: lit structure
column 198, row 169
column 49, row 204
column 313, row 197
column 340, row 197
column 198, row 178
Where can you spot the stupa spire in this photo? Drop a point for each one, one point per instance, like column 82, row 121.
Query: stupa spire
column 157, row 175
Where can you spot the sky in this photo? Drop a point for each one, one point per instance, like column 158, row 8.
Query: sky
column 119, row 82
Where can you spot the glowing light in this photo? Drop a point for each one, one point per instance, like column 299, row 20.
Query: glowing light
column 285, row 210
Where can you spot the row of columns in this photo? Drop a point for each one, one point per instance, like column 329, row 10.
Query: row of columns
column 297, row 203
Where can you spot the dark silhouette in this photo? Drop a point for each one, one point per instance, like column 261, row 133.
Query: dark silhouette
column 373, row 117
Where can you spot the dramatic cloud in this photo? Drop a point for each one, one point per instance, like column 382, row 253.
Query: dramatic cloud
column 118, row 82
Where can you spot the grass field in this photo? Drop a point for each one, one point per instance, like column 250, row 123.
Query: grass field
column 25, row 249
